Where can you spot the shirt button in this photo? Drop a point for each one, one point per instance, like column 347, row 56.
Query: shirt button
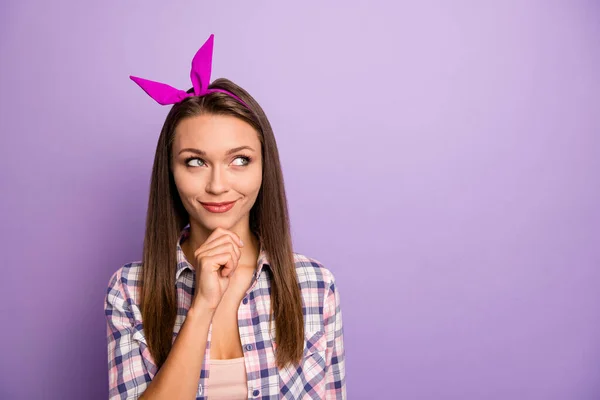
column 256, row 393
column 245, row 301
column 248, row 347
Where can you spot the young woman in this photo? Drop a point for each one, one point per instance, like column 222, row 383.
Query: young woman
column 220, row 306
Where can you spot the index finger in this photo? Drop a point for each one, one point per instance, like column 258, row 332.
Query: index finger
column 218, row 232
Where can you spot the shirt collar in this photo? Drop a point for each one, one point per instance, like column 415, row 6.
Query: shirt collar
column 183, row 264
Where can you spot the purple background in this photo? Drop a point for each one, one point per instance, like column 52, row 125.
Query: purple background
column 441, row 159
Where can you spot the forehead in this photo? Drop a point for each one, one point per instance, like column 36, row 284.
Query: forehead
column 214, row 133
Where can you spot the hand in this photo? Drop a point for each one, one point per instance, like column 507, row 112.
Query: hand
column 216, row 260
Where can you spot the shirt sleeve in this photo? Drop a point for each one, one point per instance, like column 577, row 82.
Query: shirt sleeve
column 128, row 375
column 335, row 369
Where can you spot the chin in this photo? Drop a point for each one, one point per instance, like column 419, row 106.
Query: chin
column 218, row 221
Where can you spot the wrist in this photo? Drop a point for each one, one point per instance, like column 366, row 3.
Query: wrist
column 200, row 308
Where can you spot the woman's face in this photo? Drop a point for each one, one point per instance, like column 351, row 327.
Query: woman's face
column 217, row 159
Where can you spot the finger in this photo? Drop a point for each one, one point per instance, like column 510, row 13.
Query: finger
column 223, row 240
column 226, row 247
column 221, row 261
column 222, row 231
column 229, row 267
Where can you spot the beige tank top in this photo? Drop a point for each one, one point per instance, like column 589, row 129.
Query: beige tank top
column 227, row 379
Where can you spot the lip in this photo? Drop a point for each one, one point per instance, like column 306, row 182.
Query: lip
column 218, row 207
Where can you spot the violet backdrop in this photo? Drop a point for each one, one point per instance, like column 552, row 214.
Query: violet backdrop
column 441, row 158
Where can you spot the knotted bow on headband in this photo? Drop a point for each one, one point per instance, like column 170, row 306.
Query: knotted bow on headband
column 200, row 76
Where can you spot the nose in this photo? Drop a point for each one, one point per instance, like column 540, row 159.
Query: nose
column 217, row 182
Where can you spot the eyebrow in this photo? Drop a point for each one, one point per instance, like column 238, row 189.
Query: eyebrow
column 203, row 153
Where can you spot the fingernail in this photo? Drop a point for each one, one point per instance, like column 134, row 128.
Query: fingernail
column 241, row 242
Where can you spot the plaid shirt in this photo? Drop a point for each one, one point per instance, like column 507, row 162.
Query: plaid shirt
column 321, row 374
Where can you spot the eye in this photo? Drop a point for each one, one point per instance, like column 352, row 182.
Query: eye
column 198, row 162
column 245, row 160
column 188, row 161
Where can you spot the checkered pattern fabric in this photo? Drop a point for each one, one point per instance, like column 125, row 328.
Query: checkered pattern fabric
column 320, row 375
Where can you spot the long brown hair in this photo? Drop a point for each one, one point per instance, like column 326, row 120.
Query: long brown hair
column 269, row 220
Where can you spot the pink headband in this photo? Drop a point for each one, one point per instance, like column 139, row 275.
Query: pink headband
column 200, row 75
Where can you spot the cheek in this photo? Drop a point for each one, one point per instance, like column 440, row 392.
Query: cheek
column 250, row 185
column 185, row 185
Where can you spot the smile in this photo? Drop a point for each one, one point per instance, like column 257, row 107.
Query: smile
column 218, row 207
